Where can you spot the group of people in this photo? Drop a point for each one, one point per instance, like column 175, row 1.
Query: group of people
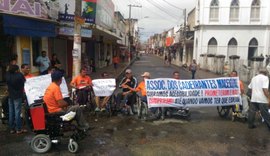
column 45, row 64
column 260, row 97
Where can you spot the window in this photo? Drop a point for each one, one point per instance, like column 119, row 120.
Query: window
column 255, row 10
column 232, row 47
column 212, row 46
column 234, row 10
column 252, row 49
column 214, row 10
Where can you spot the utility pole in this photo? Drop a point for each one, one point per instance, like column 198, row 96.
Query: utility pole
column 184, row 41
column 77, row 47
column 129, row 33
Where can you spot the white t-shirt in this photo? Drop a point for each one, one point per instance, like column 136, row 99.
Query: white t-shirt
column 257, row 84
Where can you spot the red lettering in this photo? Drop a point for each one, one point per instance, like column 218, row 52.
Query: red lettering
column 153, row 101
column 210, row 93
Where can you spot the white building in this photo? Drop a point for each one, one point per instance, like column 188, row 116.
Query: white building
column 232, row 27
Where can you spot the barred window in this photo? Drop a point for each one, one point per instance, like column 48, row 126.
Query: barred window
column 214, row 10
column 212, row 46
column 234, row 10
column 255, row 10
column 232, row 47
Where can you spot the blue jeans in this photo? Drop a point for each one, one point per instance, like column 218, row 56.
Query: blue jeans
column 193, row 74
column 15, row 107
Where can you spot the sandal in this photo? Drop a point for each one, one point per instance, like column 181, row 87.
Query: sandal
column 11, row 131
column 22, row 131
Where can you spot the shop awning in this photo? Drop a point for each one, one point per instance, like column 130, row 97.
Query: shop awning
column 21, row 26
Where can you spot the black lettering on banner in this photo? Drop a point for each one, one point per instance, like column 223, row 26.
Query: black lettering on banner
column 178, row 93
column 217, row 100
column 224, row 100
column 206, row 101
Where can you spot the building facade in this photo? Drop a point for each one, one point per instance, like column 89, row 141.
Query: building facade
column 25, row 30
column 232, row 27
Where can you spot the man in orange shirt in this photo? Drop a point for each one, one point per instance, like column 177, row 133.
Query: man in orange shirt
column 26, row 71
column 82, row 83
column 141, row 86
column 55, row 102
column 244, row 107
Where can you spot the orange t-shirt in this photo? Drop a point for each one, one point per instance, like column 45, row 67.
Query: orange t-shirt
column 28, row 76
column 80, row 81
column 141, row 87
column 51, row 96
column 116, row 59
column 242, row 89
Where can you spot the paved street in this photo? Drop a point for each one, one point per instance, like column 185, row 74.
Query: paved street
column 204, row 134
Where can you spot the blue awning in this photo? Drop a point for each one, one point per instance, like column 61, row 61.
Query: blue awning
column 20, row 26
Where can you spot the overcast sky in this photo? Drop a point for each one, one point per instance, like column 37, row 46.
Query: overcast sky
column 155, row 16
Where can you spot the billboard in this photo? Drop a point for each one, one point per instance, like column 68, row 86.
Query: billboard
column 67, row 9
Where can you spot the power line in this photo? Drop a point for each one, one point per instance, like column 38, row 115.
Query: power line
column 167, row 10
column 172, row 5
column 161, row 9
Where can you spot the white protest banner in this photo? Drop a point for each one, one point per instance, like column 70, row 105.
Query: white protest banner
column 35, row 87
column 193, row 93
column 104, row 87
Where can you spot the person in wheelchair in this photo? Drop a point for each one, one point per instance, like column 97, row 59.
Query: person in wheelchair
column 106, row 99
column 244, row 107
column 178, row 111
column 141, row 88
column 57, row 105
column 127, row 94
column 83, row 84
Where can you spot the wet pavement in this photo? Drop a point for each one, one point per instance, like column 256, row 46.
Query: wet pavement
column 205, row 133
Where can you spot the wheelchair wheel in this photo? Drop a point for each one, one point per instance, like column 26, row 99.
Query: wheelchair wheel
column 41, row 143
column 223, row 111
column 73, row 146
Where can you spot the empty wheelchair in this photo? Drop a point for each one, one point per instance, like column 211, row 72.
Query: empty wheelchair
column 50, row 128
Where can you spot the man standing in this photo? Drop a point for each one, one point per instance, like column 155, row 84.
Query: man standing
column 193, row 68
column 26, row 71
column 260, row 98
column 15, row 83
column 43, row 62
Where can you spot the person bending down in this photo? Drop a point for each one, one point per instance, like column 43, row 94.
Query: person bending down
column 56, row 104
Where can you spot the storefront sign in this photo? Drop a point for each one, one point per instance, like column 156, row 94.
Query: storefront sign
column 70, row 32
column 193, row 93
column 67, row 9
column 24, row 7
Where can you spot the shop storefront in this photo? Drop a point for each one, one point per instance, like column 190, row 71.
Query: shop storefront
column 25, row 28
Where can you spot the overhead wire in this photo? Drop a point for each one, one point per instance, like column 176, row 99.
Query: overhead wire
column 163, row 10
column 172, row 5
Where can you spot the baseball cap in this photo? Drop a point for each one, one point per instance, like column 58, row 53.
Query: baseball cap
column 128, row 71
column 146, row 74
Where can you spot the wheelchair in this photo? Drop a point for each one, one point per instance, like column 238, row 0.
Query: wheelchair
column 90, row 104
column 110, row 108
column 49, row 128
column 131, row 102
column 236, row 111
